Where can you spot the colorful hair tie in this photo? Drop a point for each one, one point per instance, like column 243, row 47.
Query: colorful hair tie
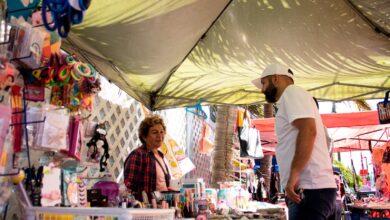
column 75, row 101
column 55, row 100
column 70, row 60
column 64, row 74
column 47, row 7
column 82, row 69
column 37, row 73
column 49, row 75
column 92, row 78
column 75, row 75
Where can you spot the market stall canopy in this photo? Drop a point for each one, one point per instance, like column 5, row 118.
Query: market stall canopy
column 333, row 120
column 171, row 53
column 348, row 131
column 360, row 137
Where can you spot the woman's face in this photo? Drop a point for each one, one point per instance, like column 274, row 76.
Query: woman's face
column 155, row 137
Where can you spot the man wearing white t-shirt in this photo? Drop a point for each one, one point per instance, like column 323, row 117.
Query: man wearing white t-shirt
column 302, row 153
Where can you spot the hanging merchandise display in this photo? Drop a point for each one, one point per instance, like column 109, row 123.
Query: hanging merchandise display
column 384, row 109
column 213, row 113
column 74, row 83
column 98, row 147
column 44, row 94
column 82, row 193
column 55, row 130
column 69, row 188
column 34, row 93
column 75, row 134
column 380, row 160
column 249, row 137
column 35, row 130
column 8, row 72
column 17, row 118
column 179, row 164
column 29, row 45
column 5, row 117
column 206, row 144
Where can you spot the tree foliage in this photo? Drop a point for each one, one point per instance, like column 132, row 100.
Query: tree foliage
column 348, row 174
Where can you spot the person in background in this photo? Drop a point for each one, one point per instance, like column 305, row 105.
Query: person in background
column 339, row 195
column 145, row 168
column 302, row 153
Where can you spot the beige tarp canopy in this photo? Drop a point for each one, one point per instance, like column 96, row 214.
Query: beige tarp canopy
column 170, row 53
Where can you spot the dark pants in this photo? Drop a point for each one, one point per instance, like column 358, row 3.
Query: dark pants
column 337, row 212
column 317, row 204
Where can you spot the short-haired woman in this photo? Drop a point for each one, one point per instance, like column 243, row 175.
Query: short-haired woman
column 145, row 168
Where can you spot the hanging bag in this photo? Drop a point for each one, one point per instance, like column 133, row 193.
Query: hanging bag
column 250, row 143
column 243, row 133
column 206, row 144
column 384, row 110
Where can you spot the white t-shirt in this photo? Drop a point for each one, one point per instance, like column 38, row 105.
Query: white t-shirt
column 297, row 103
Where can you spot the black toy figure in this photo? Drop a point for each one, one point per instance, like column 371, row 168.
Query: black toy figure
column 99, row 139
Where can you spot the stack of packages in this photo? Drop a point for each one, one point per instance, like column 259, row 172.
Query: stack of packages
column 223, row 152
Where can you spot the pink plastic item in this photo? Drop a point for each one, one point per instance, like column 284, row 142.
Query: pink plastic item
column 109, row 189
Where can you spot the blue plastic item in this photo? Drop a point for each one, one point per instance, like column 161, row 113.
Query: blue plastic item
column 63, row 15
column 197, row 110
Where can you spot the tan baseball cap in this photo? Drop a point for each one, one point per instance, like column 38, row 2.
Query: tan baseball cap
column 273, row 69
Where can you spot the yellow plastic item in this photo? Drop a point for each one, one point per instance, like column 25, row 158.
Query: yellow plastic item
column 49, row 216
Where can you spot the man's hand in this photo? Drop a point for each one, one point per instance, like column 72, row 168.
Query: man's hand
column 292, row 185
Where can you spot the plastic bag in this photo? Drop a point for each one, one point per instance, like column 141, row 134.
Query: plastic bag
column 54, row 133
column 206, row 144
column 250, row 142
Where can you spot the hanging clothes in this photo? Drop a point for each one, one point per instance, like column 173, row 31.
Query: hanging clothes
column 206, row 144
column 249, row 137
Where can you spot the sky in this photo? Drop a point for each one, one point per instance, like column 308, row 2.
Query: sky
column 346, row 106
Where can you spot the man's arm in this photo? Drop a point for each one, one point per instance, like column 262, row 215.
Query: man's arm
column 305, row 143
column 304, row 146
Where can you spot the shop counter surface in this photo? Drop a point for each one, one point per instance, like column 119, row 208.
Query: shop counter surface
column 38, row 213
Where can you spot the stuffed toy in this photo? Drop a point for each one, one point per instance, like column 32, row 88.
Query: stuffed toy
column 7, row 75
column 99, row 141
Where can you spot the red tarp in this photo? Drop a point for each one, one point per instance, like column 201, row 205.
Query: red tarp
column 349, row 131
column 329, row 120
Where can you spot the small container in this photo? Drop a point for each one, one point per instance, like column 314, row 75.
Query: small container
column 154, row 204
